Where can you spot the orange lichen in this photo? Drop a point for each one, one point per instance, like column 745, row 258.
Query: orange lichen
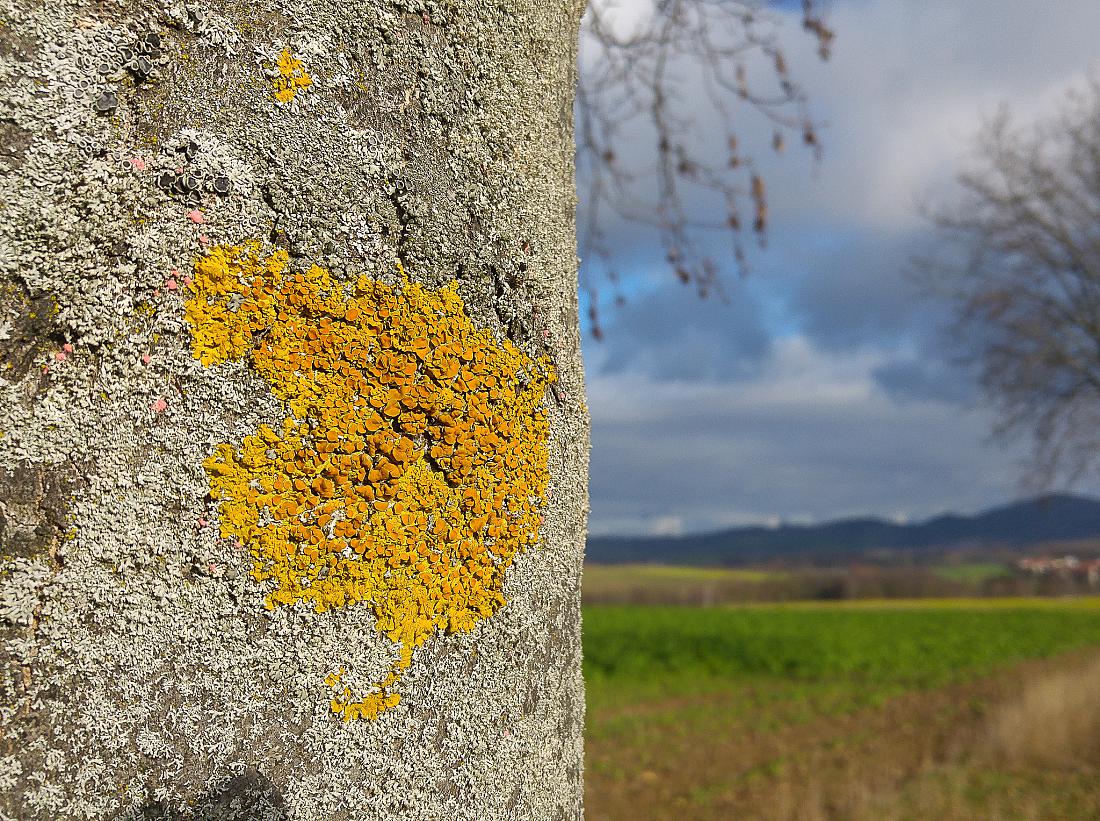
column 412, row 465
column 292, row 76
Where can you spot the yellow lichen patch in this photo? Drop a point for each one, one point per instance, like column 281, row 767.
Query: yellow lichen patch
column 412, row 464
column 292, row 76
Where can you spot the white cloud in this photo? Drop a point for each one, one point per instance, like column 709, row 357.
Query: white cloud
column 797, row 375
column 667, row 526
column 909, row 85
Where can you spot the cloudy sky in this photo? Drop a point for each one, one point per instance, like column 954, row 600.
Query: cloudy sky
column 824, row 388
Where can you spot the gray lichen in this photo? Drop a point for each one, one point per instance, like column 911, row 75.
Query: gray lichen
column 142, row 675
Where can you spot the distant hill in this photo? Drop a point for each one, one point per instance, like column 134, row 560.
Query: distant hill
column 1017, row 526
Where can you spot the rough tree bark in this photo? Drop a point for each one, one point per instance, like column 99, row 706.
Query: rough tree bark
column 263, row 549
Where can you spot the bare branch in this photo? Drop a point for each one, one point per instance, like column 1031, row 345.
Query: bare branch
column 647, row 83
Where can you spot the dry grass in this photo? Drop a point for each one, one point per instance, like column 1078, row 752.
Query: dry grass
column 1021, row 744
column 1032, row 751
column 1055, row 721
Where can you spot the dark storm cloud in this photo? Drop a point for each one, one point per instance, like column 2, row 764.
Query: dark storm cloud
column 913, row 379
column 713, row 456
column 670, row 333
column 859, row 291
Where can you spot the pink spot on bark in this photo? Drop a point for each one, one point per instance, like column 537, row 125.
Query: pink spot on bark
column 146, row 359
column 67, row 347
column 159, row 406
column 196, row 217
column 170, row 285
column 202, row 522
column 59, row 356
column 138, row 163
column 205, row 240
column 187, row 281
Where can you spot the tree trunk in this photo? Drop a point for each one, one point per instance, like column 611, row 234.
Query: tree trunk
column 294, row 446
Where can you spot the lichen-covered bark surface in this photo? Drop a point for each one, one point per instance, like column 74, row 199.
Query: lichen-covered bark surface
column 146, row 671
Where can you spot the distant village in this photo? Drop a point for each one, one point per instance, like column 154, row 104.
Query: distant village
column 1063, row 567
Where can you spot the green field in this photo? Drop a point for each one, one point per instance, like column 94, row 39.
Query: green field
column 700, row 713
column 912, row 647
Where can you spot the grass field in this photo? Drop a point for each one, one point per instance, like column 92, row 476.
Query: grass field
column 869, row 709
column 1060, row 604
column 600, row 576
column 974, row 572
column 652, row 583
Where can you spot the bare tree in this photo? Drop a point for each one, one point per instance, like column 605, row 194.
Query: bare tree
column 1021, row 265
column 680, row 78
